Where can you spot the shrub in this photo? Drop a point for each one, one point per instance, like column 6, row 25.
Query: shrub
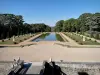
column 76, row 40
column 22, row 46
column 29, row 44
column 15, row 42
column 89, row 39
column 81, row 43
column 20, row 40
column 2, row 40
column 95, row 41
column 25, row 39
column 8, row 38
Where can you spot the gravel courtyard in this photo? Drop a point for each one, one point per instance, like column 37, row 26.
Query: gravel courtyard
column 44, row 51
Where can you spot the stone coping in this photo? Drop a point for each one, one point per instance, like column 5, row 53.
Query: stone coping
column 8, row 66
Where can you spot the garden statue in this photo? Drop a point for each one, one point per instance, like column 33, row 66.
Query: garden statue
column 30, row 34
column 84, row 38
column 13, row 38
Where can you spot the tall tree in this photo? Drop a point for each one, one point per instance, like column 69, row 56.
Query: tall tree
column 11, row 24
column 69, row 25
column 94, row 22
column 59, row 26
column 83, row 19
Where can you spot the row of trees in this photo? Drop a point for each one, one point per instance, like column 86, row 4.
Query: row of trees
column 11, row 24
column 85, row 22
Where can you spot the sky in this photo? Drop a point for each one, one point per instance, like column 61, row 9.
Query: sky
column 49, row 11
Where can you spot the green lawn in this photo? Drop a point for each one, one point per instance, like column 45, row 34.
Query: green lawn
column 79, row 39
column 19, row 39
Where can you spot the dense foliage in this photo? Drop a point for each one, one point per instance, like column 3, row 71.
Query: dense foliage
column 85, row 22
column 59, row 25
column 11, row 24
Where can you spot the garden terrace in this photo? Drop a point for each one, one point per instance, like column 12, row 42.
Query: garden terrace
column 18, row 39
column 79, row 39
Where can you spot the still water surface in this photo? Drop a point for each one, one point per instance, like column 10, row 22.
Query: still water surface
column 49, row 37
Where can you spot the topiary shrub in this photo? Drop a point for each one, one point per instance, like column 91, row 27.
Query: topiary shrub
column 81, row 43
column 76, row 40
column 25, row 39
column 2, row 40
column 29, row 44
column 15, row 43
column 89, row 39
column 22, row 46
column 20, row 40
column 95, row 41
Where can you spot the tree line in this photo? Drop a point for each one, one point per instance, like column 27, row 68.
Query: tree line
column 11, row 24
column 87, row 22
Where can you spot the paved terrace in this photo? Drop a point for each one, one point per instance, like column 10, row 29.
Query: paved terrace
column 26, row 42
column 44, row 51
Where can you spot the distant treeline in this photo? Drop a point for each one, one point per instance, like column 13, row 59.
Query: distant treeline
column 85, row 22
column 11, row 24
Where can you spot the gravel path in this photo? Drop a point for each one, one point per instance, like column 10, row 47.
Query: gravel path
column 72, row 42
column 44, row 51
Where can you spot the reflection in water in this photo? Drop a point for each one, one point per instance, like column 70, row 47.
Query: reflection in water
column 59, row 37
column 43, row 36
column 49, row 37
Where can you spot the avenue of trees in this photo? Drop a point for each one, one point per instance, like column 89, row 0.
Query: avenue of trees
column 11, row 24
column 87, row 22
